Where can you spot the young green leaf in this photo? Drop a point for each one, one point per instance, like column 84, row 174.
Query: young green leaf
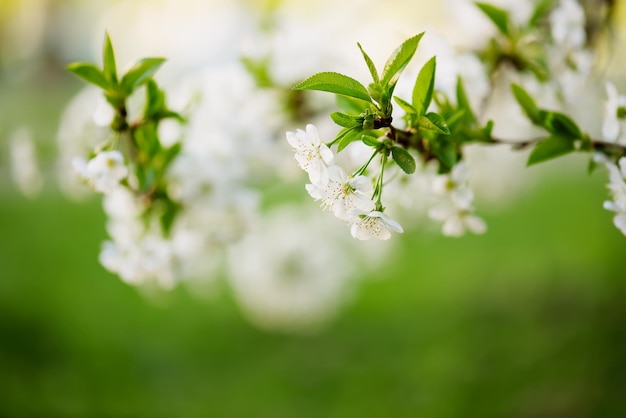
column 592, row 166
column 406, row 106
column 399, row 59
column 540, row 12
column 140, row 73
column 258, row 69
column 90, row 73
column 370, row 65
column 108, row 58
column 498, row 16
column 433, row 122
column 404, row 159
column 346, row 121
column 155, row 100
column 424, row 86
column 350, row 104
column 351, row 135
column 447, row 157
column 335, row 83
column 370, row 140
column 527, row 103
column 560, row 124
column 463, row 102
column 549, row 148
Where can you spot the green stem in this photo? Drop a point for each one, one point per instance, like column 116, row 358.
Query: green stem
column 378, row 190
column 364, row 166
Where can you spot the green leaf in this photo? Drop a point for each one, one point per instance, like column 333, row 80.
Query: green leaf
column 335, row 83
column 353, row 134
column 540, row 12
column 171, row 153
column 346, row 121
column 549, row 148
column 370, row 65
column 404, row 159
column 592, row 166
column 155, row 100
column 560, row 124
column 463, row 102
column 527, row 103
column 447, row 157
column 434, row 122
column 350, row 104
column 498, row 16
column 108, row 58
column 258, row 69
column 406, row 106
column 399, row 59
column 455, row 119
column 370, row 140
column 168, row 216
column 90, row 73
column 140, row 73
column 424, row 86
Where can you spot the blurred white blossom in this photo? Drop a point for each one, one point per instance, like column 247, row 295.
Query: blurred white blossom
column 25, row 168
column 614, row 125
column 292, row 273
column 104, row 171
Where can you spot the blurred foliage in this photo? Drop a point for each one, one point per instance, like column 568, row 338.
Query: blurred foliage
column 526, row 321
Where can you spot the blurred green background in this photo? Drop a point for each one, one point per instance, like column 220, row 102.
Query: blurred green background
column 526, row 321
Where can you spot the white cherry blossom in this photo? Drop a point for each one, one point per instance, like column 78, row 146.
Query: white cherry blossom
column 457, row 219
column 312, row 155
column 375, row 224
column 104, row 171
column 342, row 193
column 455, row 208
column 567, row 22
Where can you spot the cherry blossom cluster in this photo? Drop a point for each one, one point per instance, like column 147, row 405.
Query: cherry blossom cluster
column 184, row 175
column 349, row 198
column 548, row 54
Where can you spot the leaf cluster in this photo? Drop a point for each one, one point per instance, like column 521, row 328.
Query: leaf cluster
column 140, row 140
column 564, row 135
column 367, row 111
column 517, row 45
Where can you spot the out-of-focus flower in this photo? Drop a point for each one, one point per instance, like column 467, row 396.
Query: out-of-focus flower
column 567, row 22
column 24, row 165
column 457, row 217
column 455, row 209
column 104, row 171
column 617, row 187
column 614, row 125
column 292, row 273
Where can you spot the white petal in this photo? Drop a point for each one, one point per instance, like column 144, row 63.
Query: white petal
column 391, row 224
column 363, row 202
column 315, row 191
column 440, row 212
column 361, row 183
column 475, row 224
column 327, row 155
column 453, row 227
column 313, row 135
column 620, row 222
column 359, row 232
column 293, row 140
column 460, row 173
